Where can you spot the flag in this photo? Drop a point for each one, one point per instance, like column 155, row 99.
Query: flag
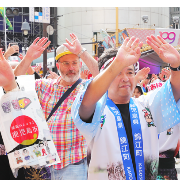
column 2, row 9
column 108, row 42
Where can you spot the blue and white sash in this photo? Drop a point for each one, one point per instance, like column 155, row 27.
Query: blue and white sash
column 123, row 141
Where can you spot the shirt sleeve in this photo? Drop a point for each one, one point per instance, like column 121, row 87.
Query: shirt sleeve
column 88, row 130
column 163, row 107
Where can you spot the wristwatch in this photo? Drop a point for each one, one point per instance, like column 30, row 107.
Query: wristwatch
column 175, row 69
column 83, row 49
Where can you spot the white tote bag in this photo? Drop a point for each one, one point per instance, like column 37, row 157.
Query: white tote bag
column 24, row 129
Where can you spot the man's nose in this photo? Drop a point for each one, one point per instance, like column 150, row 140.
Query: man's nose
column 125, row 78
column 71, row 67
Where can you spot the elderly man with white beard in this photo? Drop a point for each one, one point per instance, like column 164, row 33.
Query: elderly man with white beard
column 70, row 144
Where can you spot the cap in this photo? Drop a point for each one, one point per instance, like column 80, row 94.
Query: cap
column 61, row 51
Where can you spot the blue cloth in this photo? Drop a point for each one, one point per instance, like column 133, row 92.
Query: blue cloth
column 70, row 172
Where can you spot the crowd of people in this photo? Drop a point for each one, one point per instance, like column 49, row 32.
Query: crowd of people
column 117, row 125
column 50, row 49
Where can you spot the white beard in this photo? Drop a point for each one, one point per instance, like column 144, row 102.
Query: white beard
column 70, row 79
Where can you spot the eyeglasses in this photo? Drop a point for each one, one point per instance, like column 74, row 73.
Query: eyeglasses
column 66, row 64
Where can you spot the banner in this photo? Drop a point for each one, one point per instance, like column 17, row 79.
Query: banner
column 110, row 42
column 107, row 40
column 121, row 36
column 24, row 130
column 156, row 84
column 169, row 35
column 2, row 9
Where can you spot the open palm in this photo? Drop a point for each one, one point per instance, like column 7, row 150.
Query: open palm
column 74, row 46
column 164, row 50
column 6, row 72
column 129, row 52
column 37, row 48
column 142, row 74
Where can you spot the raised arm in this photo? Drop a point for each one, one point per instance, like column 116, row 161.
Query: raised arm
column 7, row 79
column 75, row 47
column 142, row 74
column 11, row 50
column 127, row 55
column 169, row 55
column 34, row 51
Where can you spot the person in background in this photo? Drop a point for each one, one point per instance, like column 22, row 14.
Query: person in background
column 140, row 76
column 85, row 74
column 137, row 91
column 168, row 143
column 144, row 84
column 51, row 75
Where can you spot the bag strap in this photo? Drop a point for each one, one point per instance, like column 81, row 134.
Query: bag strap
column 63, row 97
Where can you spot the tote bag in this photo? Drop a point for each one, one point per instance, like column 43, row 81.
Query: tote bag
column 24, row 129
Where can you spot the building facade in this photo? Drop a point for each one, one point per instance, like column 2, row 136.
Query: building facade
column 174, row 12
column 86, row 22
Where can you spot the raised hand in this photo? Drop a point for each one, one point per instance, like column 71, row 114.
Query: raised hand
column 129, row 52
column 74, row 46
column 164, row 50
column 37, row 47
column 21, row 56
column 11, row 50
column 6, row 72
column 53, row 75
column 166, row 72
column 85, row 74
column 37, row 68
column 142, row 74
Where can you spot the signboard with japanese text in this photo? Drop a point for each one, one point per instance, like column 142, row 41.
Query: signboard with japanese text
column 41, row 17
column 31, row 14
column 154, row 85
column 46, row 15
column 169, row 35
column 24, row 130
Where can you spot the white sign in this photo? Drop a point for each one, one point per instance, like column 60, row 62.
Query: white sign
column 169, row 35
column 31, row 14
column 46, row 15
column 42, row 17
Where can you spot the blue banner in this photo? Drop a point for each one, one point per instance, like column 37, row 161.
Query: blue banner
column 123, row 141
